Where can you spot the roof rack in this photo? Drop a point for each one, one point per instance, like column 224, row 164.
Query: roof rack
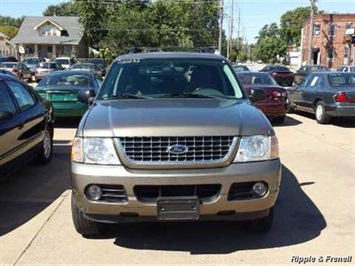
column 136, row 49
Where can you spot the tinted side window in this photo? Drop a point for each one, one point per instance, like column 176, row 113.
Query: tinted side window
column 24, row 98
column 6, row 103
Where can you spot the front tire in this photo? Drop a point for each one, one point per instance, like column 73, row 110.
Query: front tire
column 82, row 225
column 45, row 154
column 321, row 114
column 262, row 225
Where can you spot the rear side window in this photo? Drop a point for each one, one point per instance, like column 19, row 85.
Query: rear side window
column 24, row 99
column 6, row 103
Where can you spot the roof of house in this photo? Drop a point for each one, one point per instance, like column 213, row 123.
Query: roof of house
column 28, row 30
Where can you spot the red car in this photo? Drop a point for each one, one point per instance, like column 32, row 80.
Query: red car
column 283, row 75
column 274, row 105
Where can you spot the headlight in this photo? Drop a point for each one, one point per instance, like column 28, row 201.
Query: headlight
column 257, row 148
column 94, row 151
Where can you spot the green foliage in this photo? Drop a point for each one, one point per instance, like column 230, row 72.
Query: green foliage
column 270, row 45
column 9, row 31
column 63, row 9
column 291, row 24
column 9, row 21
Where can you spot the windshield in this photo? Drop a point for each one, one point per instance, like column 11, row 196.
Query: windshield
column 256, row 78
column 30, row 61
column 341, row 79
column 62, row 61
column 8, row 65
column 166, row 76
column 66, row 79
column 83, row 66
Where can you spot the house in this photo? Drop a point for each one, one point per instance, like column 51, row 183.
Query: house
column 5, row 46
column 327, row 43
column 51, row 37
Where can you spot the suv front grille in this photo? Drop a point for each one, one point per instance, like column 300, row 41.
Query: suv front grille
column 150, row 193
column 156, row 149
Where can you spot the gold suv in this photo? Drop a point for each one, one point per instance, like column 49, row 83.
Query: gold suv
column 172, row 136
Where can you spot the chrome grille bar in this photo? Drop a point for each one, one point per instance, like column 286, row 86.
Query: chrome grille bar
column 154, row 150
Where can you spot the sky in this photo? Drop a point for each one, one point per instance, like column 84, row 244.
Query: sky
column 254, row 14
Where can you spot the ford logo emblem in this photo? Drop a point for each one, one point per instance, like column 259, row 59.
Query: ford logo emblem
column 177, row 149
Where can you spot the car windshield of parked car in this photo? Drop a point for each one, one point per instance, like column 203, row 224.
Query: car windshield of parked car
column 341, row 79
column 240, row 68
column 174, row 77
column 8, row 65
column 62, row 61
column 256, row 78
column 30, row 61
column 279, row 69
column 84, row 66
column 98, row 62
column 65, row 80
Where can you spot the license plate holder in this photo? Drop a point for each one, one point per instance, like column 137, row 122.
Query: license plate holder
column 178, row 208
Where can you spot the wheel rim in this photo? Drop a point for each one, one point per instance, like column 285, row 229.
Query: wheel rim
column 47, row 147
column 319, row 112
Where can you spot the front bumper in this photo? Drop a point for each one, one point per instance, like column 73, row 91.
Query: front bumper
column 220, row 208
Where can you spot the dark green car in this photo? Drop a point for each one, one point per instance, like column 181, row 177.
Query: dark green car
column 63, row 88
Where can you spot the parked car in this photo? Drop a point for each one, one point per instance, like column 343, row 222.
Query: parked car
column 87, row 66
column 19, row 69
column 65, row 62
column 274, row 105
column 26, row 126
column 173, row 137
column 326, row 94
column 4, row 71
column 283, row 75
column 100, row 65
column 6, row 58
column 346, row 69
column 32, row 63
column 45, row 68
column 63, row 87
column 305, row 70
column 239, row 68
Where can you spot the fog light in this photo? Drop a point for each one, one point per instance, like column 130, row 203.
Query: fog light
column 94, row 192
column 259, row 189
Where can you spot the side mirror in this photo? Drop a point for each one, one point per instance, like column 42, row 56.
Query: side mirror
column 257, row 95
column 5, row 115
column 85, row 95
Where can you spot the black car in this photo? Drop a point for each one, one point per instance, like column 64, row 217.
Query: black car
column 326, row 94
column 8, row 59
column 26, row 125
column 283, row 75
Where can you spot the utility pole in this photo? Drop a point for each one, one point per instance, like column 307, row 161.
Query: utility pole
column 310, row 41
column 229, row 37
column 231, row 40
column 238, row 36
column 220, row 26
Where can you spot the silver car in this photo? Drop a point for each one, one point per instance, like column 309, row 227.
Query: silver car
column 173, row 137
column 45, row 68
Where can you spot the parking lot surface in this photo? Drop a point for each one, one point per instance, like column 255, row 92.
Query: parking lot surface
column 315, row 213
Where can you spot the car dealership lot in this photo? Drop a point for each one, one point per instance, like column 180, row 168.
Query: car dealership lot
column 314, row 214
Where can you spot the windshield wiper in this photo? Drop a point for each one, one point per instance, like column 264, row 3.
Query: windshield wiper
column 125, row 96
column 189, row 95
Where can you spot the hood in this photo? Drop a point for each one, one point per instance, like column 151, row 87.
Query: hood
column 173, row 117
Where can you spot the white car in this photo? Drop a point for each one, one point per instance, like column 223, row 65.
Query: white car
column 66, row 62
column 346, row 69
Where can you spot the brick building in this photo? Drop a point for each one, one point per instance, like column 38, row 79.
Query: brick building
column 328, row 47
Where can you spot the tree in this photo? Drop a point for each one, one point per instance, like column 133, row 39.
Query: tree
column 9, row 31
column 291, row 24
column 270, row 45
column 63, row 9
column 10, row 21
